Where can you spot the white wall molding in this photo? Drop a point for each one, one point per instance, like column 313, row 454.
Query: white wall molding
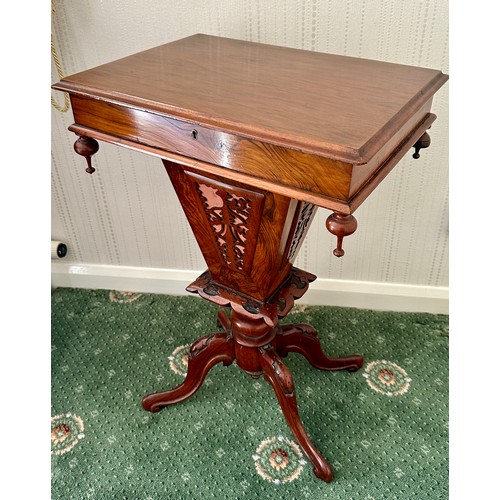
column 329, row 292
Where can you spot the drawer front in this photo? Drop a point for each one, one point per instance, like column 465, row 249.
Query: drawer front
column 282, row 166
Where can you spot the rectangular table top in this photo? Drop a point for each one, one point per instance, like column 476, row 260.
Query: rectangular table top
column 317, row 127
column 335, row 106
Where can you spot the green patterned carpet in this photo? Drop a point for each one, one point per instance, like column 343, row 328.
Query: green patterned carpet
column 384, row 429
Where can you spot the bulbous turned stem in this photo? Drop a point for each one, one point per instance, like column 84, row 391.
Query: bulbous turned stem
column 341, row 225
column 86, row 146
column 422, row 143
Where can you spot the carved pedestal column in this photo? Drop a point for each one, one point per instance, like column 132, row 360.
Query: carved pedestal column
column 249, row 239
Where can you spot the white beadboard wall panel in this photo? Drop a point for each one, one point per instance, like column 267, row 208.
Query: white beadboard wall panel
column 126, row 213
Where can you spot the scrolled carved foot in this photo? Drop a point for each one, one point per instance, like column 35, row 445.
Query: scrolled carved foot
column 303, row 339
column 280, row 378
column 203, row 355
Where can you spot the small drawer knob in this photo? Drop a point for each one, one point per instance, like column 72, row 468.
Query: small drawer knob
column 422, row 143
column 87, row 146
column 341, row 225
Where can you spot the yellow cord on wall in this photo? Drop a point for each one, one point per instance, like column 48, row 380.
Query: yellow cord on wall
column 57, row 62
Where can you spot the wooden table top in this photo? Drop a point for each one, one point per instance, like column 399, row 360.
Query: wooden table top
column 340, row 107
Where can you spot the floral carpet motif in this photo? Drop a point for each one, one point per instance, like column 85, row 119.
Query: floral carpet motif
column 384, row 428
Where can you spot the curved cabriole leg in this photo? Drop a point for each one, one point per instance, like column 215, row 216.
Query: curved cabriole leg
column 223, row 320
column 203, row 355
column 280, row 378
column 303, row 339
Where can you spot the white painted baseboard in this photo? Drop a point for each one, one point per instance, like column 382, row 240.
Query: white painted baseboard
column 328, row 292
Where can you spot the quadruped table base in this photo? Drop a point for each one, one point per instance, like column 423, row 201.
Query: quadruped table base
column 253, row 337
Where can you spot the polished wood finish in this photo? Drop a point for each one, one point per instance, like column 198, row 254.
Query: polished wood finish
column 303, row 339
column 341, row 225
column 86, row 146
column 272, row 94
column 205, row 353
column 230, row 151
column 254, row 138
column 326, row 123
column 422, row 143
column 248, row 237
column 254, row 339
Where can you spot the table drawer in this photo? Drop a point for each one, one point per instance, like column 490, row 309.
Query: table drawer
column 276, row 164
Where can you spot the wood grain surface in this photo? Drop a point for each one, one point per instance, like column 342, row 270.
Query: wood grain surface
column 336, row 106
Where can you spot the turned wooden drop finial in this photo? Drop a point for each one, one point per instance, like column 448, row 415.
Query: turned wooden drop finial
column 422, row 143
column 341, row 225
column 86, row 146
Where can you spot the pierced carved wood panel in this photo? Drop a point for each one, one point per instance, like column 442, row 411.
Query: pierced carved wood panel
column 230, row 211
column 248, row 237
column 305, row 217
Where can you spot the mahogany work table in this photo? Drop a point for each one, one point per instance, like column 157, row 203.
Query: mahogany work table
column 254, row 138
